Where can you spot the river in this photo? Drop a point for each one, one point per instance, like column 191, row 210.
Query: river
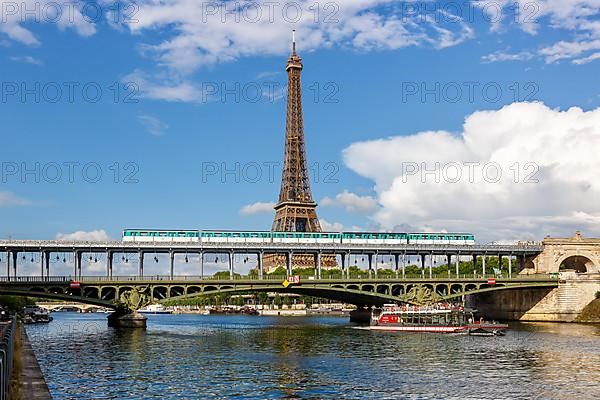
column 253, row 357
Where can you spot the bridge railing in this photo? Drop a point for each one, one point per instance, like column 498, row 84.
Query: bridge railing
column 279, row 278
column 8, row 330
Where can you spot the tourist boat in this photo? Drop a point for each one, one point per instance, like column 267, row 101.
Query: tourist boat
column 36, row 315
column 436, row 318
column 154, row 309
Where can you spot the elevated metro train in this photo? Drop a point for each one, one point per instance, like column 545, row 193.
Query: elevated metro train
column 207, row 236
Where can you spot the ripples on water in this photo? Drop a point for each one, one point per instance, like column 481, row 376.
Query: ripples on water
column 192, row 356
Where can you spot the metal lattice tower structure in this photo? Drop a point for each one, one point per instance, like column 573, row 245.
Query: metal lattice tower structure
column 296, row 211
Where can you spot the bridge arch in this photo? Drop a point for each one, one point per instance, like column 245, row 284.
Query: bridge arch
column 581, row 263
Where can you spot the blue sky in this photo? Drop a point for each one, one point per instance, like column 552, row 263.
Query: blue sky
column 163, row 120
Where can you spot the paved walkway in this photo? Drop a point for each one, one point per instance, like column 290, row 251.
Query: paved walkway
column 32, row 383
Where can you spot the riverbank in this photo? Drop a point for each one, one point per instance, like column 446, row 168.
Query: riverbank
column 31, row 382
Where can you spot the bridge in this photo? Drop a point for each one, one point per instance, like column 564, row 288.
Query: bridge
column 135, row 293
column 530, row 274
column 523, row 254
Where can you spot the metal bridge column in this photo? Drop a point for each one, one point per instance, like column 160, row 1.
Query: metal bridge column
column 77, row 258
column 109, row 264
column 8, row 265
column 47, row 255
column 431, row 265
column 259, row 260
column 343, row 263
column 449, row 262
column 500, row 263
column 422, row 265
column 231, row 260
column 474, row 265
column 376, row 264
column 404, row 265
column 201, row 265
column 42, row 254
column 457, row 261
column 171, row 263
column 396, row 263
column 140, row 264
column 15, row 256
column 319, row 265
column 290, row 260
column 370, row 257
column 509, row 266
column 483, row 265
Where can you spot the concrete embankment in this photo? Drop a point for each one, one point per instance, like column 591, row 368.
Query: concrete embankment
column 591, row 313
column 31, row 382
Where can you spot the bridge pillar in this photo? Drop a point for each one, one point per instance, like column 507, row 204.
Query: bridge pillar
column 259, row 261
column 343, row 257
column 376, row 264
column 42, row 255
column 77, row 258
column 231, row 260
column 109, row 264
column 201, row 255
column 422, row 265
column 46, row 256
column 318, row 258
column 449, row 263
column 431, row 265
column 474, row 265
column 396, row 263
column 510, row 266
column 500, row 263
column 141, row 264
column 15, row 256
column 172, row 263
column 8, row 265
column 483, row 265
column 290, row 260
column 457, row 264
column 370, row 257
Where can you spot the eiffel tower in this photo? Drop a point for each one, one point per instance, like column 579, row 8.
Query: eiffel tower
column 296, row 211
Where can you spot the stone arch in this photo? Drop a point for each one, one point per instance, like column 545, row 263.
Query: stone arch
column 578, row 262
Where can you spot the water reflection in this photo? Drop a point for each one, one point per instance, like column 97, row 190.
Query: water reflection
column 309, row 358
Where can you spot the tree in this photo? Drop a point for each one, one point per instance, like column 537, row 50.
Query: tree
column 277, row 301
column 287, row 301
column 263, row 298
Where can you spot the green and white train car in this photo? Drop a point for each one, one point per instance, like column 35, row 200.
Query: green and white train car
column 216, row 236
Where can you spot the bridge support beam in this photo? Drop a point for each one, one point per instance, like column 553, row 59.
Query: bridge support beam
column 109, row 264
column 474, row 264
column 483, row 265
column 318, row 258
column 510, row 266
column 15, row 256
column 172, row 263
column 46, row 256
column 422, row 264
column 449, row 263
column 42, row 256
column 370, row 257
column 457, row 264
column 8, row 265
column 375, row 256
column 396, row 263
column 259, row 262
column 141, row 264
column 231, row 260
column 289, row 262
column 430, row 265
column 500, row 263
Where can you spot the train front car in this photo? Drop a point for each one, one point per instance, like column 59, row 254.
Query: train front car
column 160, row 235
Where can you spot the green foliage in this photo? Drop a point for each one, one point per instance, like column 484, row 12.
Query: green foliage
column 597, row 295
column 287, row 301
column 15, row 303
column 279, row 271
column 277, row 301
column 225, row 275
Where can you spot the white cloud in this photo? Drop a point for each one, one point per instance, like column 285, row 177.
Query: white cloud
column 92, row 236
column 499, row 56
column 63, row 14
column 162, row 87
column 351, row 202
column 587, row 59
column 191, row 35
column 327, row 226
column 27, row 60
column 153, row 125
column 257, row 208
column 9, row 199
column 558, row 149
column 578, row 17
